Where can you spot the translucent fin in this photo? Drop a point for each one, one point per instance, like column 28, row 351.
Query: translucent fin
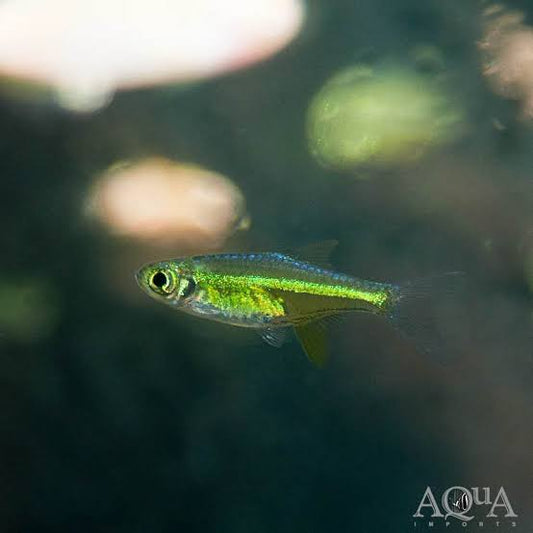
column 317, row 253
column 431, row 313
column 274, row 336
column 312, row 337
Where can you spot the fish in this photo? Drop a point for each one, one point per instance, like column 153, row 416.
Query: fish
column 273, row 292
column 460, row 501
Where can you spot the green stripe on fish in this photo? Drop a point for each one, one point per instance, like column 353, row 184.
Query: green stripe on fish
column 269, row 292
column 262, row 294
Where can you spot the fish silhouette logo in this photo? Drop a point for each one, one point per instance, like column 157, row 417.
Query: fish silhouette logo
column 465, row 504
column 459, row 501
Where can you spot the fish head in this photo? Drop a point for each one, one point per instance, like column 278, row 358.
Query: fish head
column 170, row 282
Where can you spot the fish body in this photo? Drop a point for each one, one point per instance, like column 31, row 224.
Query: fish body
column 267, row 291
column 271, row 289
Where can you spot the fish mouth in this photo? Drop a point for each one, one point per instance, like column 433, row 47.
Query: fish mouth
column 141, row 277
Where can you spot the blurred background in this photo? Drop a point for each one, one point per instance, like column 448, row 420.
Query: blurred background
column 138, row 131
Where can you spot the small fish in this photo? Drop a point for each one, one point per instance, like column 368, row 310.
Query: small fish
column 272, row 292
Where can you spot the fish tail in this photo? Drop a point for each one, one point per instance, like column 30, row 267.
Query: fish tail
column 430, row 313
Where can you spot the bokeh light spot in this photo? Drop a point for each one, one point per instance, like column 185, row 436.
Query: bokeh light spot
column 29, row 309
column 87, row 49
column 507, row 55
column 383, row 115
column 169, row 203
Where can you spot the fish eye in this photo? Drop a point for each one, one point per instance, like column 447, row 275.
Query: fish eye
column 162, row 282
column 159, row 279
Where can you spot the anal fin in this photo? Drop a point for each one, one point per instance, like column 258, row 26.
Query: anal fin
column 313, row 338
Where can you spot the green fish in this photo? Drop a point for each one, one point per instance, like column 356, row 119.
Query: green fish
column 272, row 292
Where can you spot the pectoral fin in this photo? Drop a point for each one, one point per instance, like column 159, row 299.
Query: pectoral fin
column 312, row 337
column 274, row 336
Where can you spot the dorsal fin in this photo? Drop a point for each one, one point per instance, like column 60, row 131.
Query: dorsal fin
column 317, row 253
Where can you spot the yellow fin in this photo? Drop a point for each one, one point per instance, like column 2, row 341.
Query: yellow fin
column 313, row 339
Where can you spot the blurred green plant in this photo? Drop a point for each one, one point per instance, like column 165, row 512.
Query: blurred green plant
column 383, row 115
column 29, row 310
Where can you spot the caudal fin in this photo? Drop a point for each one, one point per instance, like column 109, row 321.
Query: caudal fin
column 431, row 312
